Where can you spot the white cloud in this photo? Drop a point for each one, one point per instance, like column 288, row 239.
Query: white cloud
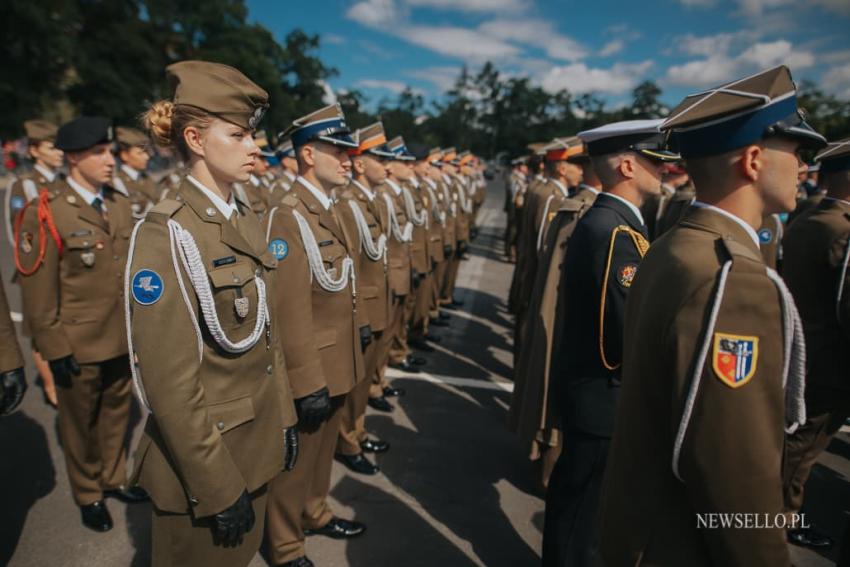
column 719, row 66
column 375, row 13
column 536, row 33
column 474, row 5
column 328, row 97
column 386, row 85
column 578, row 78
column 756, row 7
column 333, row 39
column 837, row 80
column 441, row 77
column 612, row 48
column 462, row 43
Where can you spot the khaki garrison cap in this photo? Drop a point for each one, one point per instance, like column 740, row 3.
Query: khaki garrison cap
column 739, row 113
column 449, row 154
column 41, row 130
column 371, row 140
column 220, row 90
column 561, row 149
column 324, row 125
column 836, row 157
column 131, row 137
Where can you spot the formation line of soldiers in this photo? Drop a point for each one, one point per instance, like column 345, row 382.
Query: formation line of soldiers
column 253, row 300
column 662, row 386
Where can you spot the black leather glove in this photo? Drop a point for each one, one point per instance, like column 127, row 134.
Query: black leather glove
column 461, row 248
column 414, row 278
column 63, row 369
column 447, row 250
column 290, row 448
column 13, row 384
column 365, row 336
column 314, row 408
column 234, row 522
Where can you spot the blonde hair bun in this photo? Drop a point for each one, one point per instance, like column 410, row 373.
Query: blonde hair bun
column 157, row 121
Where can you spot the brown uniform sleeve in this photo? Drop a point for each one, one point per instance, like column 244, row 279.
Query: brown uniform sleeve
column 10, row 351
column 172, row 382
column 295, row 308
column 731, row 457
column 837, row 252
column 40, row 291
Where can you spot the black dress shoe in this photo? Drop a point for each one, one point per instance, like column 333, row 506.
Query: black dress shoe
column 96, row 516
column 405, row 366
column 421, row 345
column 416, row 360
column 445, row 316
column 300, row 562
column 456, row 303
column 390, row 392
column 380, row 404
column 433, row 338
column 131, row 495
column 338, row 528
column 809, row 537
column 375, row 446
column 358, row 463
column 438, row 323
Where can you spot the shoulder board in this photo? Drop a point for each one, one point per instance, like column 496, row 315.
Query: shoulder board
column 290, row 201
column 737, row 250
column 571, row 205
column 164, row 210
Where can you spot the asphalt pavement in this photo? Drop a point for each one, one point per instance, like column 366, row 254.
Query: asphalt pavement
column 455, row 489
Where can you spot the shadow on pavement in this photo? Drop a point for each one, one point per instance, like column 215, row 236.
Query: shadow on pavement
column 23, row 480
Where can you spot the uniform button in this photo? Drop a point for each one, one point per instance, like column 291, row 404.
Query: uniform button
column 117, row 257
column 269, row 369
column 258, row 273
column 193, row 501
column 236, row 279
column 220, row 425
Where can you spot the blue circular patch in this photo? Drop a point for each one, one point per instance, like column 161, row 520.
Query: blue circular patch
column 147, row 287
column 765, row 235
column 279, row 248
column 17, row 203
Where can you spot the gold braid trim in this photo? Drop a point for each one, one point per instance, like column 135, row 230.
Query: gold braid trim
column 642, row 245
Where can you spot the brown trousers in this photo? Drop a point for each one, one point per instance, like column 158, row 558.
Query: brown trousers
column 298, row 498
column 437, row 278
column 826, row 410
column 448, row 290
column 180, row 540
column 93, row 416
column 421, row 308
column 352, row 430
column 400, row 308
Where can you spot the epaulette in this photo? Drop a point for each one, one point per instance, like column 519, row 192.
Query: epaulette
column 164, row 210
column 570, row 206
column 736, row 249
column 290, row 201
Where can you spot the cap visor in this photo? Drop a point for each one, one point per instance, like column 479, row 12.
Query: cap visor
column 807, row 135
column 340, row 140
column 661, row 155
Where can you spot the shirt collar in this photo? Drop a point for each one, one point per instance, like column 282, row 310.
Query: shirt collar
column 86, row 195
column 131, row 172
column 289, row 175
column 430, row 182
column 254, row 180
column 323, row 199
column 593, row 190
column 560, row 186
column 396, row 189
column 750, row 230
column 49, row 175
column 446, row 177
column 223, row 206
column 629, row 204
column 414, row 182
column 366, row 191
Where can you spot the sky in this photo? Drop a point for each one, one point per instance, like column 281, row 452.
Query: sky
column 603, row 46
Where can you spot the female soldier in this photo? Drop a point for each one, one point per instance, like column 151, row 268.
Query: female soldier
column 202, row 332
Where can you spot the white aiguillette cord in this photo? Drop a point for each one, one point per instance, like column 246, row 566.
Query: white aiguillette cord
column 375, row 251
column 317, row 266
column 793, row 368
column 417, row 219
column 183, row 245
column 405, row 235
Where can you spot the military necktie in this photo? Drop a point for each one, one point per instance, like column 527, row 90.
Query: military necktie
column 97, row 203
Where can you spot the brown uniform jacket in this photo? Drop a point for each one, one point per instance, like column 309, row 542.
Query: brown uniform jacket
column 770, row 240
column 321, row 342
column 731, row 456
column 420, row 259
column 372, row 282
column 399, row 252
column 143, row 192
column 10, row 351
column 815, row 269
column 445, row 204
column 676, row 207
column 218, row 417
column 462, row 219
column 22, row 190
column 74, row 301
column 437, row 219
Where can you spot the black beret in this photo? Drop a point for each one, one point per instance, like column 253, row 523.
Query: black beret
column 419, row 151
column 84, row 132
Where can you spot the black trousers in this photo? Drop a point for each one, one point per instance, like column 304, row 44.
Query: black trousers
column 572, row 501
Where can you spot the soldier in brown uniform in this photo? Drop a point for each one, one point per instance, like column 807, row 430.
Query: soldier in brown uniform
column 324, row 356
column 365, row 217
column 47, row 159
column 463, row 208
column 709, row 384
column 71, row 252
column 770, row 240
column 13, row 384
column 201, row 313
column 815, row 268
column 131, row 178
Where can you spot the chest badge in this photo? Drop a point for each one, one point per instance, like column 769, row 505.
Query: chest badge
column 87, row 258
column 279, row 248
column 147, row 287
column 626, row 275
column 241, row 304
column 765, row 236
column 735, row 358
